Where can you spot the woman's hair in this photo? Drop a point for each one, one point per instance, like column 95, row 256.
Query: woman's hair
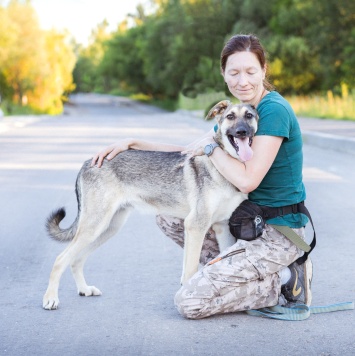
column 245, row 43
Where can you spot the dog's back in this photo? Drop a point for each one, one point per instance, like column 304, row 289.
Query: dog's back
column 163, row 182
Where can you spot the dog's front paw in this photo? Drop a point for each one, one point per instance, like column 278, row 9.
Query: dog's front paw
column 186, row 275
column 89, row 291
column 50, row 302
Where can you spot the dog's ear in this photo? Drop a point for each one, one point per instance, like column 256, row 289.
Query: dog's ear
column 218, row 109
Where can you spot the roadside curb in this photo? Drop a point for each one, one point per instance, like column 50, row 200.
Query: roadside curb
column 328, row 141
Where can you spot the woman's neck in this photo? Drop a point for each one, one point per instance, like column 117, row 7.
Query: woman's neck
column 263, row 93
column 255, row 102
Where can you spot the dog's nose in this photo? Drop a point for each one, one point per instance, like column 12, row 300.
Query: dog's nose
column 241, row 132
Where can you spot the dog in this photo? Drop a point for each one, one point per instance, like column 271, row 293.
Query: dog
column 167, row 183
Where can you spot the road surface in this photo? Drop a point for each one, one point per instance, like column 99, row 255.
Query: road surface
column 138, row 270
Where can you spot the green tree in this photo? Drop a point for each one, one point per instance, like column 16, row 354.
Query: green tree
column 35, row 65
column 122, row 64
column 7, row 40
column 310, row 51
column 87, row 75
column 310, row 43
column 20, row 67
column 173, row 49
column 56, row 79
column 332, row 34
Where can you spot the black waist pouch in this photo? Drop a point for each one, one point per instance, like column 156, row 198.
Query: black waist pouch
column 246, row 222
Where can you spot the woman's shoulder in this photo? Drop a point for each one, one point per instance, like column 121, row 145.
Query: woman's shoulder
column 274, row 102
column 273, row 98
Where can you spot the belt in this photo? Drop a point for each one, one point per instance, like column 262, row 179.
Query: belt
column 271, row 212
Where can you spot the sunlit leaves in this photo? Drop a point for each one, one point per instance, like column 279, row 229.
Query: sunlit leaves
column 35, row 65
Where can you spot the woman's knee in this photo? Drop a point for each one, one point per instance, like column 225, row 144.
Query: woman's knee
column 190, row 306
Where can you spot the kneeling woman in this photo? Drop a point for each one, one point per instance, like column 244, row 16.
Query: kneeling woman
column 262, row 272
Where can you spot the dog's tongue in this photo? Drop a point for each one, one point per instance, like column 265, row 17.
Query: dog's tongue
column 245, row 152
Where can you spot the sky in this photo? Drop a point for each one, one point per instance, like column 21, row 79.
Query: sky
column 79, row 17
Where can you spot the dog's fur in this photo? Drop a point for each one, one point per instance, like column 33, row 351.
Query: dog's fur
column 162, row 182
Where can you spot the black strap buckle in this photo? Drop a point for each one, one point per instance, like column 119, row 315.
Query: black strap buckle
column 289, row 209
column 281, row 211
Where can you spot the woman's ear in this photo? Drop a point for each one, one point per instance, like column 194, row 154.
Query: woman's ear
column 264, row 71
column 222, row 74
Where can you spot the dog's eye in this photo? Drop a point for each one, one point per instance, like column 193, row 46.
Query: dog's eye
column 249, row 115
column 230, row 117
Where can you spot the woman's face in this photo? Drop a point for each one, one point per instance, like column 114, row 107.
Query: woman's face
column 244, row 77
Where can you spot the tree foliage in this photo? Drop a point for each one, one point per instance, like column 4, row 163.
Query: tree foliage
column 310, row 44
column 87, row 75
column 174, row 47
column 35, row 65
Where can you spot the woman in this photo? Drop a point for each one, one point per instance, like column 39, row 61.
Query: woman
column 250, row 274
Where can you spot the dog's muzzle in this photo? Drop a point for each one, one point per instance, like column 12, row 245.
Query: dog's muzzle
column 241, row 141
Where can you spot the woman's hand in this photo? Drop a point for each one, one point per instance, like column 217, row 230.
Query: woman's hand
column 110, row 152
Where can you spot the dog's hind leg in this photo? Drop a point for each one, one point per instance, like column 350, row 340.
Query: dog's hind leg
column 77, row 265
column 97, row 227
column 50, row 299
column 77, row 268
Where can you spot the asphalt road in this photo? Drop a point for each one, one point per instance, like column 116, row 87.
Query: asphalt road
column 138, row 270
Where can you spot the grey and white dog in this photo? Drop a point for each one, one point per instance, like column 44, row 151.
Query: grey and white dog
column 165, row 183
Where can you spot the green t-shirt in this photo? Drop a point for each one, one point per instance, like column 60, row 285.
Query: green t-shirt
column 283, row 183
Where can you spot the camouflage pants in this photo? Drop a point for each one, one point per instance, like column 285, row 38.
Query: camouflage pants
column 246, row 277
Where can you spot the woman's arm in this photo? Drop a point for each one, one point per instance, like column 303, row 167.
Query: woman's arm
column 135, row 144
column 248, row 175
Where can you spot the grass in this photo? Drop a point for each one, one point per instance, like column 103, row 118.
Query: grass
column 201, row 102
column 330, row 106
column 10, row 108
column 327, row 106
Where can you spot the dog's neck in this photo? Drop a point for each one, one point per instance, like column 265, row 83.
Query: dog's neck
column 218, row 139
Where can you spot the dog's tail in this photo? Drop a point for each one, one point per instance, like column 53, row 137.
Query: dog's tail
column 53, row 229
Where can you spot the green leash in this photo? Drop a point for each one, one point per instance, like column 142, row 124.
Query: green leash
column 301, row 311
column 298, row 312
column 291, row 235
